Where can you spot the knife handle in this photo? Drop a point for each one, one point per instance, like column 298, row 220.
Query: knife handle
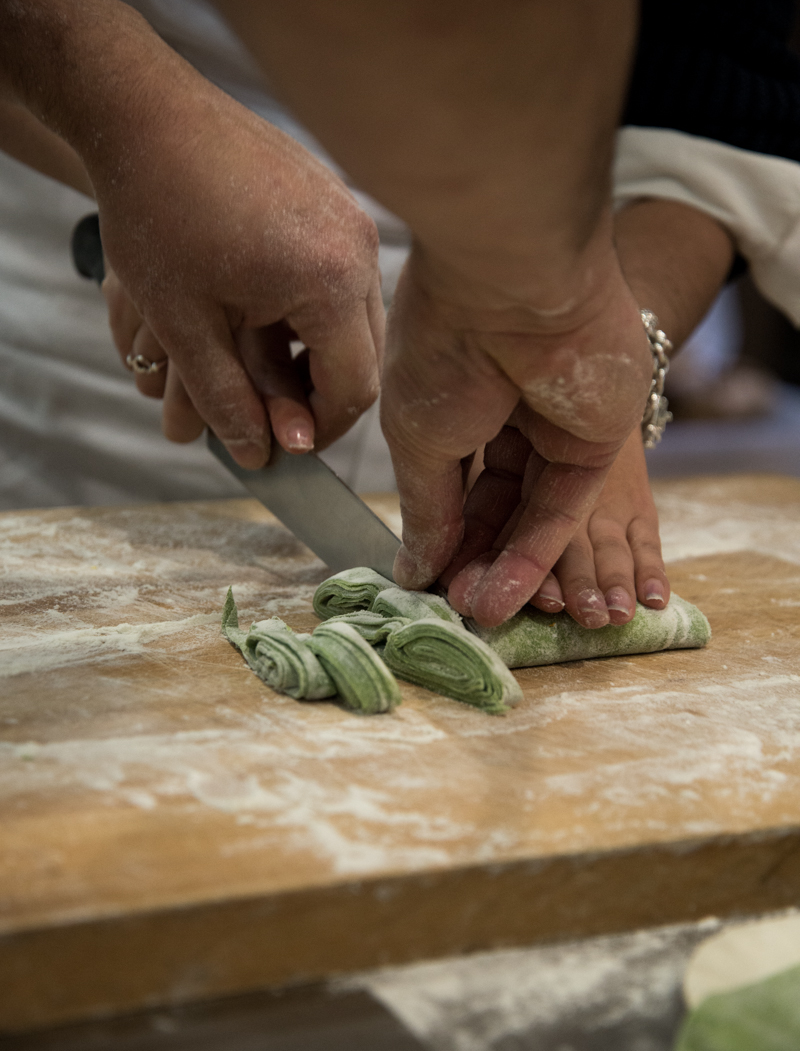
column 87, row 249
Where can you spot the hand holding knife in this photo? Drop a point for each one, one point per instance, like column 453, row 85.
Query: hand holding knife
column 300, row 490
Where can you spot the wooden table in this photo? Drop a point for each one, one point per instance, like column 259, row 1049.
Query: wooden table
column 173, row 830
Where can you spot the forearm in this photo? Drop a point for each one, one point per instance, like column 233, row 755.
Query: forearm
column 94, row 73
column 675, row 260
column 488, row 128
column 26, row 139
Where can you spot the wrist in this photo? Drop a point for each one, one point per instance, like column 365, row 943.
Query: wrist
column 547, row 288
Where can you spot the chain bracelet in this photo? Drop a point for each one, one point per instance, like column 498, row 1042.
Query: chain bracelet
column 656, row 413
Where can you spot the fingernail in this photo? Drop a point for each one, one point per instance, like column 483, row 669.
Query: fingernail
column 589, row 601
column 299, row 436
column 548, row 596
column 592, row 607
column 249, row 455
column 619, row 599
column 552, row 605
column 654, row 591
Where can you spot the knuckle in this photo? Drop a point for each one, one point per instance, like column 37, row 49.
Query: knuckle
column 349, row 257
column 646, row 546
column 611, row 546
column 368, row 235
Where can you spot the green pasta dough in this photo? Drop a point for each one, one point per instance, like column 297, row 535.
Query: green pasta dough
column 346, row 592
column 532, row 638
column 444, row 657
column 362, row 680
column 334, row 661
column 372, row 627
column 764, row 1016
column 414, row 605
column 278, row 655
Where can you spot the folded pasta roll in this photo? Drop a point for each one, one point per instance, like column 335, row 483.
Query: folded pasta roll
column 362, row 680
column 447, row 659
column 348, row 591
column 413, row 605
column 278, row 655
column 373, row 627
column 531, row 637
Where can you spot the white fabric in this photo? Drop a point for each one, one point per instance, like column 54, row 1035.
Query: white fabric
column 73, row 427
column 754, row 196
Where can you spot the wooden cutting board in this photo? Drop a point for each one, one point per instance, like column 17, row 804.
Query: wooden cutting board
column 173, row 830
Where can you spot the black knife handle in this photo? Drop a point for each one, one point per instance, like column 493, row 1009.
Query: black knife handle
column 87, row 248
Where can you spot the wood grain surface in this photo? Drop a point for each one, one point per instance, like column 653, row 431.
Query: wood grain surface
column 174, row 830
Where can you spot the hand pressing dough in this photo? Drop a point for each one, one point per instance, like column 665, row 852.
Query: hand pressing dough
column 744, row 987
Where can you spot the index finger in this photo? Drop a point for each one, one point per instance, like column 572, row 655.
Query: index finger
column 344, row 353
column 437, row 408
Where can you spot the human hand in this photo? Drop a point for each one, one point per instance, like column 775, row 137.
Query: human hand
column 460, row 365
column 265, row 353
column 216, row 223
column 231, row 241
column 615, row 556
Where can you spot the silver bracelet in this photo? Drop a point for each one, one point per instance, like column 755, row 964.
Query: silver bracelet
column 656, row 413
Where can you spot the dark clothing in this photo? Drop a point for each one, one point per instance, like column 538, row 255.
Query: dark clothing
column 720, row 69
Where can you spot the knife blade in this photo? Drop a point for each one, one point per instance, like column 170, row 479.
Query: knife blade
column 318, row 507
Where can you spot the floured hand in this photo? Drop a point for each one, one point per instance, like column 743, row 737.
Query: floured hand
column 615, row 556
column 281, row 381
column 573, row 384
column 225, row 232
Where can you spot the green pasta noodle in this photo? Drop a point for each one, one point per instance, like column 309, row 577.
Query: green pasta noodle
column 372, row 627
column 278, row 655
column 415, row 605
column 362, row 680
column 348, row 591
column 447, row 659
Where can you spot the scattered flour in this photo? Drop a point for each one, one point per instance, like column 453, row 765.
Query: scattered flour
column 692, row 528
column 58, row 649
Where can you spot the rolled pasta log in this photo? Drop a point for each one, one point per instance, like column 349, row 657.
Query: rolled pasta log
column 362, row 680
column 532, row 638
column 279, row 656
column 447, row 659
column 348, row 591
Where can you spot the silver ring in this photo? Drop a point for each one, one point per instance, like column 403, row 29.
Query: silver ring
column 143, row 366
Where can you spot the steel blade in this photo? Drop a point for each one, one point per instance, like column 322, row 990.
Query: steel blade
column 315, row 504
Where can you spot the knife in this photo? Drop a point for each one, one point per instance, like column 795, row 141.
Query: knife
column 300, row 490
column 314, row 503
